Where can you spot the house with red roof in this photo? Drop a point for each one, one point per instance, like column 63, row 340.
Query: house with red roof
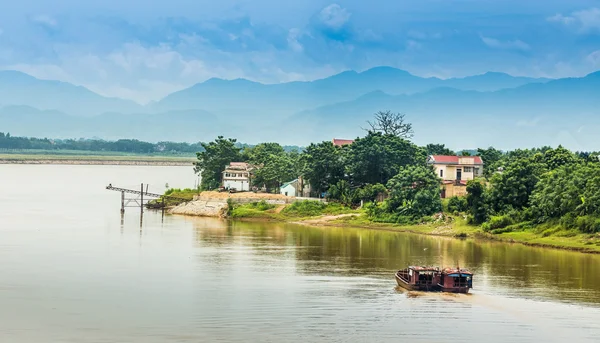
column 342, row 142
column 455, row 171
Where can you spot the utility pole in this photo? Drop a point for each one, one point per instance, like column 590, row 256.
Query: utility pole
column 142, row 198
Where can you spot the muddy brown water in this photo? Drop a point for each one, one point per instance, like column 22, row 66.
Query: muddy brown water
column 73, row 270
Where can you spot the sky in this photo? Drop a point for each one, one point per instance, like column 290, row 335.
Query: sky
column 143, row 50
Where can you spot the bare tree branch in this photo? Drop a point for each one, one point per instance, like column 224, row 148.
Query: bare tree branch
column 391, row 123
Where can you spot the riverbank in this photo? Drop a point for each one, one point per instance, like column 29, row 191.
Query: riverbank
column 141, row 160
column 318, row 214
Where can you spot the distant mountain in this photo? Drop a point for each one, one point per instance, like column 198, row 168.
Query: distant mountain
column 533, row 114
column 18, row 88
column 235, row 96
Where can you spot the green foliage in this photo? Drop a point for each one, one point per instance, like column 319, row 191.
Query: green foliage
column 512, row 188
column 275, row 165
column 458, row 204
column 213, row 160
column 323, row 165
column 377, row 158
column 261, row 205
column 491, row 158
column 414, row 191
column 305, row 208
column 439, row 149
column 571, row 190
column 343, row 192
column 588, row 224
column 369, row 192
column 476, row 201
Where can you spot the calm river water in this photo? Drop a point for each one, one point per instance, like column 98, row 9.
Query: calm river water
column 73, row 270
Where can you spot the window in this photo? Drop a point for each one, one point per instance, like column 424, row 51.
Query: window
column 468, row 169
column 441, row 172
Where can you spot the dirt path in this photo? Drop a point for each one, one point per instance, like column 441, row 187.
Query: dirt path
column 325, row 219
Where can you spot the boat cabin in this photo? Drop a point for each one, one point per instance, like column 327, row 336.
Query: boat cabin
column 418, row 278
column 456, row 280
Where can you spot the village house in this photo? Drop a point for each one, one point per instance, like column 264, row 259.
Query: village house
column 341, row 142
column 455, row 171
column 295, row 188
column 237, row 175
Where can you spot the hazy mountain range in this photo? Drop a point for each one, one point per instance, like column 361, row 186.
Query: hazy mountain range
column 490, row 109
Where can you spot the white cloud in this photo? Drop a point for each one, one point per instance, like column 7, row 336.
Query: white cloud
column 45, row 19
column 506, row 45
column 334, row 16
column 594, row 59
column 585, row 21
column 292, row 40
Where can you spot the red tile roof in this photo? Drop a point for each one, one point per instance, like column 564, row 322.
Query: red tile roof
column 341, row 142
column 454, row 159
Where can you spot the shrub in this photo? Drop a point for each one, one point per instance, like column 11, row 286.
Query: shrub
column 500, row 222
column 261, row 205
column 305, row 208
column 588, row 224
column 457, row 204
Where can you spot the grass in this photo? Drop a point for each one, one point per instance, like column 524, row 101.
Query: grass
column 300, row 210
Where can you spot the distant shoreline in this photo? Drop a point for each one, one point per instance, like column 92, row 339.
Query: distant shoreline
column 95, row 160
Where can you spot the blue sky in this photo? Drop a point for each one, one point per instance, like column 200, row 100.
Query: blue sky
column 140, row 51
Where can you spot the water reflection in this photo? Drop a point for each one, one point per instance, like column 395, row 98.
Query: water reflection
column 510, row 269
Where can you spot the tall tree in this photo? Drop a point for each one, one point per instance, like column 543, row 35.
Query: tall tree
column 377, row 157
column 390, row 123
column 439, row 149
column 212, row 161
column 323, row 165
column 415, row 191
column 490, row 157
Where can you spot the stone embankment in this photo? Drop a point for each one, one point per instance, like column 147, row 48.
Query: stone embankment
column 214, row 204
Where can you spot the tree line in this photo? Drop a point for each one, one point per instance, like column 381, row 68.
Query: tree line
column 532, row 186
column 132, row 146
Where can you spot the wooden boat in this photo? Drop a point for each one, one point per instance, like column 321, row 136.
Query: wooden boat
column 416, row 278
column 455, row 280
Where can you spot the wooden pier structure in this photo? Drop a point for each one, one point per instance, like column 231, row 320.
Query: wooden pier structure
column 139, row 200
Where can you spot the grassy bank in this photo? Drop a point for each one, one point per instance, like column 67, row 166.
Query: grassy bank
column 319, row 214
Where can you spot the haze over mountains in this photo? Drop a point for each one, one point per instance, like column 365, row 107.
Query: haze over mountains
column 490, row 109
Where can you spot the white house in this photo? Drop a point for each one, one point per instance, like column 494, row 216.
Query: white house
column 295, row 188
column 289, row 188
column 455, row 171
column 237, row 175
column 456, row 168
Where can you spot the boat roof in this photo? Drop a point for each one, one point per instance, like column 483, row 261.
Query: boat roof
column 456, row 271
column 425, row 269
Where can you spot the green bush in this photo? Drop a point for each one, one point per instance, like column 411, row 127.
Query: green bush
column 305, row 208
column 261, row 205
column 588, row 224
column 457, row 204
column 500, row 222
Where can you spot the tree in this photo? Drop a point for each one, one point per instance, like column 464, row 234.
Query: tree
column 377, row 157
column 571, row 189
column 512, row 188
column 212, row 161
column 342, row 191
column 439, row 149
column 390, row 123
column 490, row 157
column 555, row 158
column 323, row 165
column 415, row 191
column 476, row 201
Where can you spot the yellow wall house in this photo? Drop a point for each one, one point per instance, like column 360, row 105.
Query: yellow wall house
column 455, row 171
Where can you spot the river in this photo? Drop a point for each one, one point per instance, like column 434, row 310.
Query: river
column 73, row 270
